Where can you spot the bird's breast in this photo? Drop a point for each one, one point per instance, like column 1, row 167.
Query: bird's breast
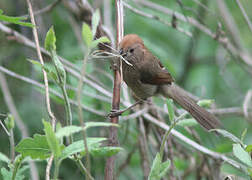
column 132, row 78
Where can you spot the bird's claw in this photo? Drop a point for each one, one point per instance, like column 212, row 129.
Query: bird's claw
column 114, row 113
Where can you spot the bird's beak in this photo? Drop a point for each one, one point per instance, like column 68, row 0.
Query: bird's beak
column 124, row 55
column 121, row 51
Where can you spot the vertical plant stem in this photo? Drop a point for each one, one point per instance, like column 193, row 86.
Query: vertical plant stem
column 113, row 140
column 69, row 117
column 12, row 145
column 20, row 124
column 56, row 168
column 17, row 166
column 165, row 139
column 62, row 85
column 48, row 105
column 79, row 99
column 174, row 122
column 143, row 148
column 82, row 168
column 35, row 34
column 48, row 167
column 67, row 106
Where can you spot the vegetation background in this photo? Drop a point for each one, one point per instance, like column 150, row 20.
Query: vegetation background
column 201, row 64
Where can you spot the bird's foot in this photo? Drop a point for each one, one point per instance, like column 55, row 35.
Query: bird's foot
column 115, row 113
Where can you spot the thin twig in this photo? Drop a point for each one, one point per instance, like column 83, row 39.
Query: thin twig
column 33, row 169
column 227, row 111
column 35, row 34
column 143, row 149
column 48, row 167
column 35, row 83
column 83, row 168
column 148, row 15
column 244, row 56
column 46, row 9
column 238, row 111
column 20, row 124
column 188, row 56
column 109, row 94
column 230, row 23
column 205, row 7
column 11, row 106
column 67, row 65
column 193, row 144
column 4, row 128
column 244, row 14
column 246, row 103
column 134, row 115
column 127, row 161
column 81, row 119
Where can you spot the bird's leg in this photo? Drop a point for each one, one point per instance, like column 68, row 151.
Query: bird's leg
column 114, row 112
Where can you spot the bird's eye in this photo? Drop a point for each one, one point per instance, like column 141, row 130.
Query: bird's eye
column 131, row 50
column 121, row 51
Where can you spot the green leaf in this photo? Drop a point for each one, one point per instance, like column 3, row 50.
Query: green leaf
column 78, row 146
column 57, row 73
column 1, row 11
column 50, row 72
column 4, row 158
column 36, row 147
column 205, row 103
column 158, row 169
column 21, row 171
column 228, row 135
column 50, row 40
column 51, row 139
column 68, row 130
column 105, row 151
column 95, row 21
column 244, row 134
column 99, row 124
column 58, row 127
column 36, row 63
column 102, row 39
column 249, row 148
column 164, row 168
column 87, row 35
column 15, row 20
column 155, row 168
column 61, row 78
column 170, row 109
column 250, row 172
column 242, row 155
column 6, row 174
column 187, row 122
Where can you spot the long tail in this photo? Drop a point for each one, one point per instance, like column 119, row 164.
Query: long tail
column 205, row 118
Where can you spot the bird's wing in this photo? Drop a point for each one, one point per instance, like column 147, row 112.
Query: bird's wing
column 153, row 72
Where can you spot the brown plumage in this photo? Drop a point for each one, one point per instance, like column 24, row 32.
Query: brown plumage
column 148, row 77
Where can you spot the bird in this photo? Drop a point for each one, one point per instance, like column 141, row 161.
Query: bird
column 145, row 75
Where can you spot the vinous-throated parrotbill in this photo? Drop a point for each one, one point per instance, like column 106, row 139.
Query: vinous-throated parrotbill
column 148, row 77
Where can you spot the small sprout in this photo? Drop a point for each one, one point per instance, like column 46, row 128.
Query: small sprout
column 9, row 122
